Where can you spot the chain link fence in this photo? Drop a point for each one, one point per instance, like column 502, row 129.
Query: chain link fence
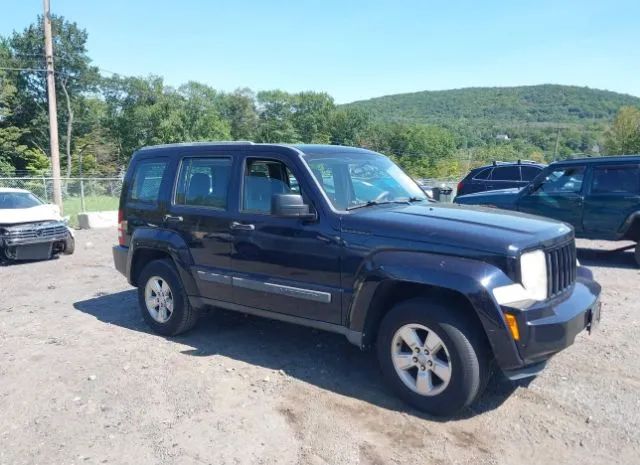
column 92, row 194
column 87, row 194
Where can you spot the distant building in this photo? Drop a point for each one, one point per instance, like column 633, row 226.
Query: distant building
column 504, row 137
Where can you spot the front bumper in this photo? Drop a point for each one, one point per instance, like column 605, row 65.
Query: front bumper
column 36, row 240
column 548, row 327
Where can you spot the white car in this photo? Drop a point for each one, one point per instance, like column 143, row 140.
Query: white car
column 31, row 229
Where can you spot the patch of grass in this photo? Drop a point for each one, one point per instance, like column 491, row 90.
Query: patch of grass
column 92, row 203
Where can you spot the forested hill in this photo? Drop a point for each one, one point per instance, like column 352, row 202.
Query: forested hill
column 500, row 106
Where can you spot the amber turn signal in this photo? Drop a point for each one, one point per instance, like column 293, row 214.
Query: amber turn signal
column 512, row 323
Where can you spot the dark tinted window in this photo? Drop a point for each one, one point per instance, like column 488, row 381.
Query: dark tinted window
column 204, row 182
column 616, row 179
column 147, row 180
column 506, row 173
column 529, row 172
column 483, row 174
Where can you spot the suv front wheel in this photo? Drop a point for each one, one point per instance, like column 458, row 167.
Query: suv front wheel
column 434, row 358
column 162, row 300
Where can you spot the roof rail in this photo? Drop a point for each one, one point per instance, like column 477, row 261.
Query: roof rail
column 191, row 144
column 518, row 162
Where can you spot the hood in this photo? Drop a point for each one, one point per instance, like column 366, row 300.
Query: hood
column 472, row 228
column 45, row 212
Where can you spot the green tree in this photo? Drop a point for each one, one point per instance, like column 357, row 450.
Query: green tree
column 275, row 123
column 14, row 155
column 624, row 136
column 201, row 113
column 75, row 77
column 348, row 126
column 311, row 113
column 239, row 109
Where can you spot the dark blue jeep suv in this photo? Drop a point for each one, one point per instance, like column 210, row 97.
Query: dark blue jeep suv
column 341, row 239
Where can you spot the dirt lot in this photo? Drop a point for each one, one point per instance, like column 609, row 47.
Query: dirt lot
column 83, row 381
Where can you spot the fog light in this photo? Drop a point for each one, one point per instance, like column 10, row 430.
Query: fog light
column 512, row 323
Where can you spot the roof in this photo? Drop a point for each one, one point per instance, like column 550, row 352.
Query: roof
column 320, row 149
column 511, row 163
column 4, row 190
column 590, row 160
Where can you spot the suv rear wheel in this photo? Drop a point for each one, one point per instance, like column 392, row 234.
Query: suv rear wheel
column 637, row 254
column 434, row 358
column 162, row 300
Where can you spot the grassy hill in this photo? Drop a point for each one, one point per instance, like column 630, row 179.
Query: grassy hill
column 539, row 105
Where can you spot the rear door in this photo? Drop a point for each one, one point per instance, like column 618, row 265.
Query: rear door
column 504, row 177
column 613, row 194
column 145, row 194
column 559, row 195
column 199, row 212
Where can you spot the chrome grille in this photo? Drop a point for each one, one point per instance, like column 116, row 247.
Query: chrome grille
column 35, row 231
column 561, row 268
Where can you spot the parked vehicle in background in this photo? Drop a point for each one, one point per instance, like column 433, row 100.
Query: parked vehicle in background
column 435, row 192
column 31, row 229
column 500, row 175
column 599, row 197
column 355, row 247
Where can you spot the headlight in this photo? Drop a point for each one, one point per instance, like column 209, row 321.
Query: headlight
column 533, row 273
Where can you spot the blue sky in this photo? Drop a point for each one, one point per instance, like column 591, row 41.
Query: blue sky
column 358, row 49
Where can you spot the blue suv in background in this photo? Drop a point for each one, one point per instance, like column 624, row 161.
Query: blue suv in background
column 500, row 175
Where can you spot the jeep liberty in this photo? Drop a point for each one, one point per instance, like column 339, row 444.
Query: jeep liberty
column 341, row 239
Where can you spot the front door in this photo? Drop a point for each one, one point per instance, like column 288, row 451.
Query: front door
column 559, row 195
column 199, row 212
column 284, row 265
column 613, row 194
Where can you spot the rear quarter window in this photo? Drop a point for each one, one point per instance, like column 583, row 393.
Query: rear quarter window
column 147, row 180
column 483, row 174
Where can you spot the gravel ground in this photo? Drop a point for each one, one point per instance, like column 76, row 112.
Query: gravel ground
column 83, row 381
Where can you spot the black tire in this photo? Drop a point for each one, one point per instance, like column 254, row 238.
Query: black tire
column 184, row 316
column 637, row 254
column 468, row 355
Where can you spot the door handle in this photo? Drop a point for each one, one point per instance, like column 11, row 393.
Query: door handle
column 173, row 219
column 242, row 226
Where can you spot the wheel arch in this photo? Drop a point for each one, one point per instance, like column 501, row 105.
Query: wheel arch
column 148, row 244
column 461, row 282
column 631, row 227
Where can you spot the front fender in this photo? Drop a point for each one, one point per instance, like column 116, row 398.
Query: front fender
column 145, row 239
column 472, row 279
column 631, row 227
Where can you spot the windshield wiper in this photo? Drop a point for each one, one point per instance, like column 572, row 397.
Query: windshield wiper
column 370, row 203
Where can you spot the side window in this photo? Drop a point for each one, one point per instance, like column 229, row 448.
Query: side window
column 483, row 174
column 529, row 172
column 616, row 179
column 563, row 181
column 264, row 178
column 506, row 173
column 147, row 180
column 204, row 182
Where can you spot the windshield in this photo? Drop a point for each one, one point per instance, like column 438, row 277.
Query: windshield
column 14, row 200
column 356, row 180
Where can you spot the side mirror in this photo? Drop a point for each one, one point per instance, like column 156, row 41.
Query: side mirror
column 290, row 206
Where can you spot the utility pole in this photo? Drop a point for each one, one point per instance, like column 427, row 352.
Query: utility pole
column 53, row 112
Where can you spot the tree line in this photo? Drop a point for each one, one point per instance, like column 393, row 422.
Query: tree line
column 103, row 118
